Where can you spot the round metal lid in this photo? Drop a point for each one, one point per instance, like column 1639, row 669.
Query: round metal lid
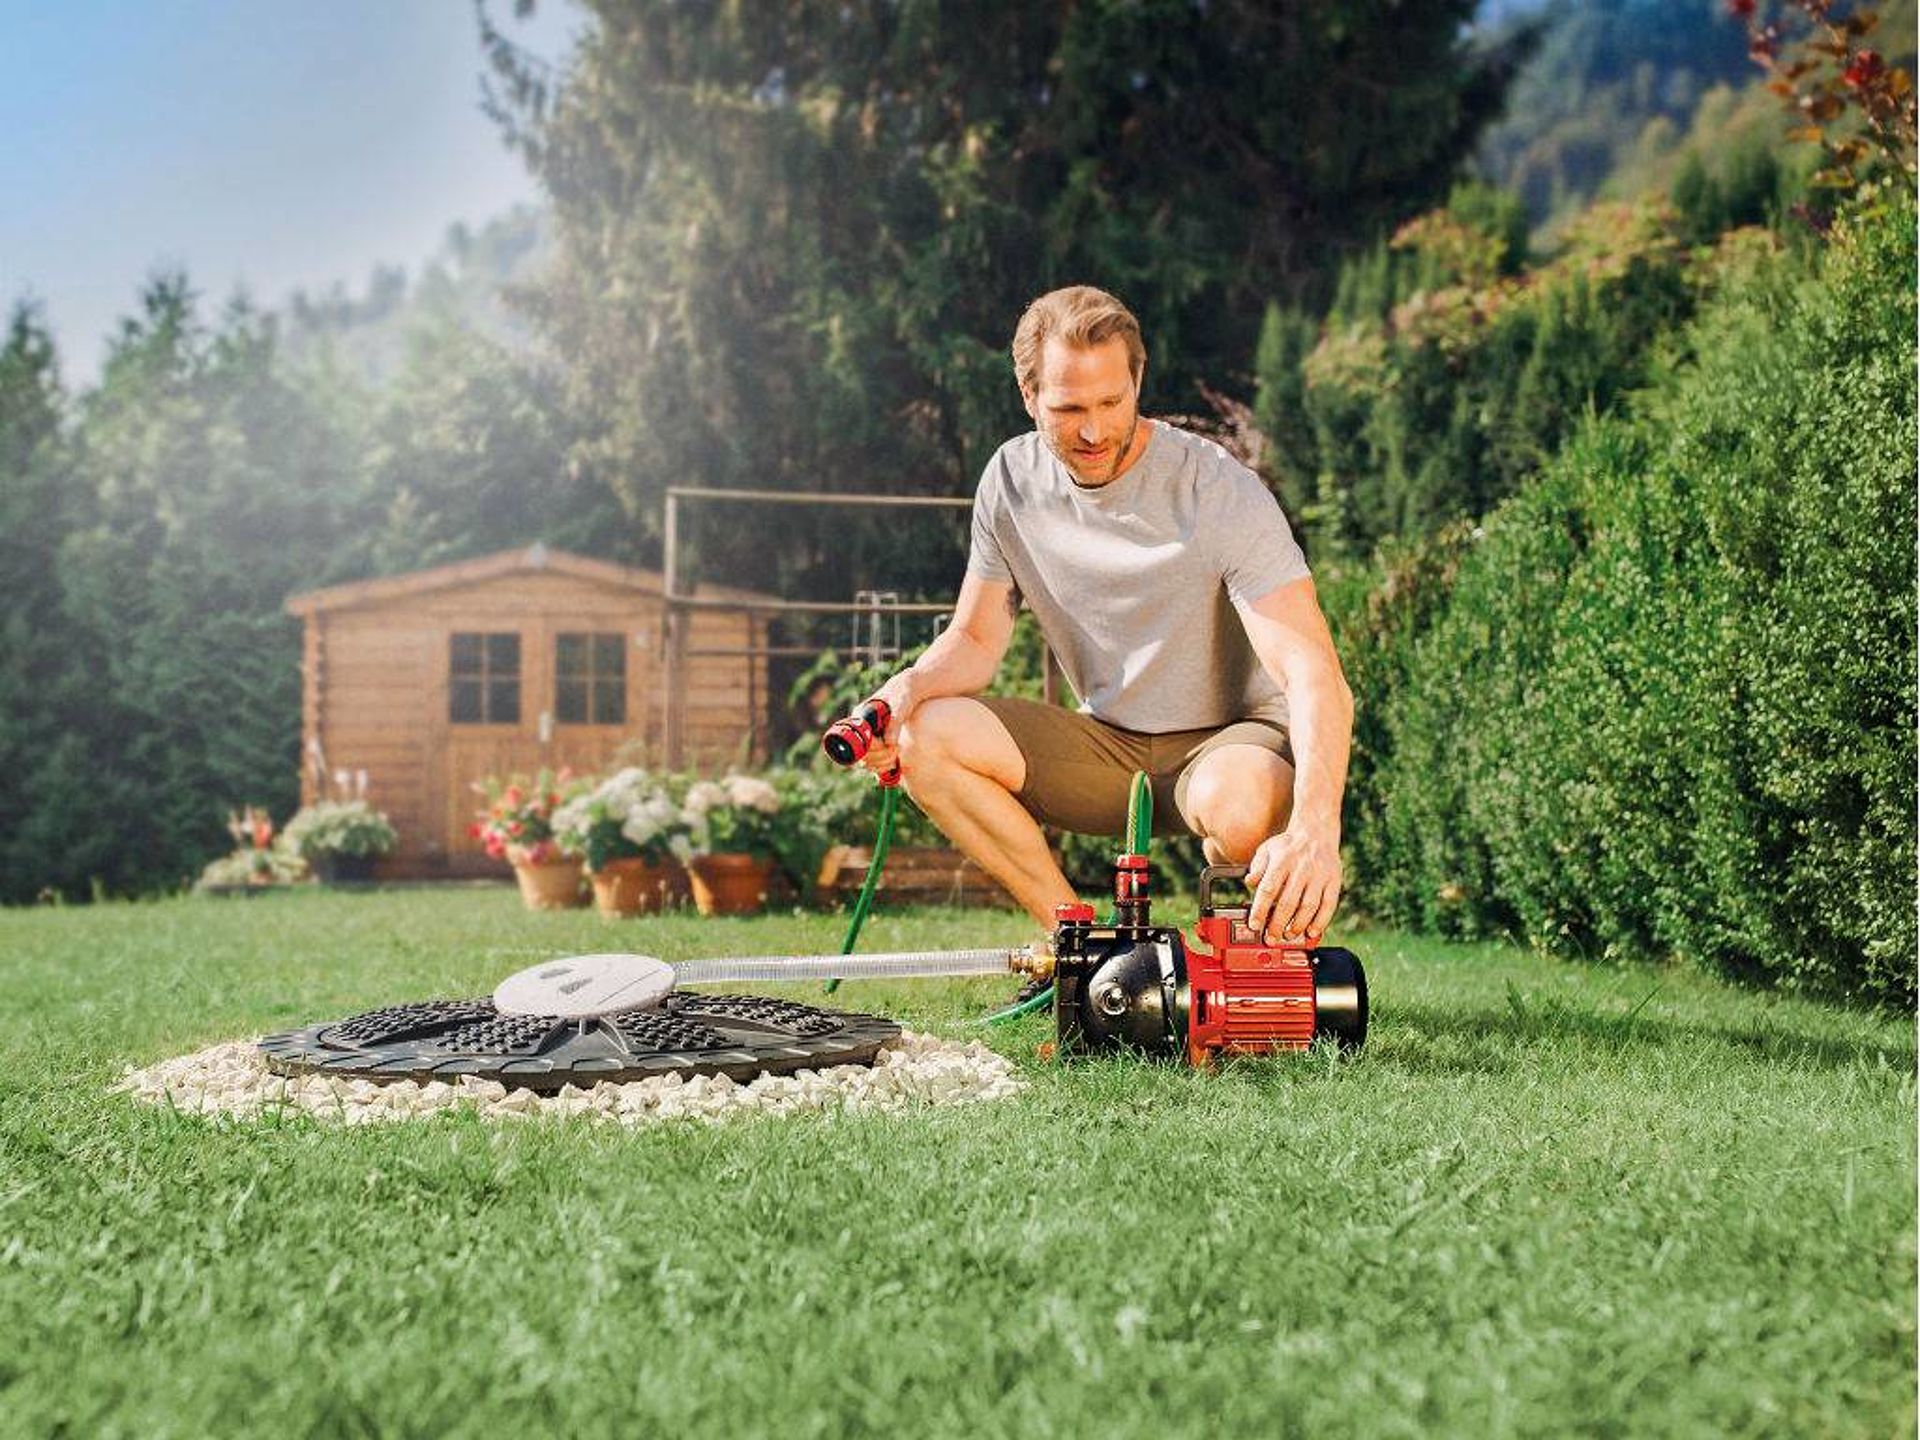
column 584, row 987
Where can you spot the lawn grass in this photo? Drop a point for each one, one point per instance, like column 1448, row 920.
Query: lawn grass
column 1547, row 1199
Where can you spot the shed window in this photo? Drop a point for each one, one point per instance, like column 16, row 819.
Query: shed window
column 484, row 679
column 590, row 680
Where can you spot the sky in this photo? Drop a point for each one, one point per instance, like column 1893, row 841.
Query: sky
column 270, row 144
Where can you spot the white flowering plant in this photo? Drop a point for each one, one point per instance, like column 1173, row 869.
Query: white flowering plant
column 336, row 827
column 735, row 815
column 629, row 815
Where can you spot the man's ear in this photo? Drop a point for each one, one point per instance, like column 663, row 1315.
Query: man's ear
column 1029, row 400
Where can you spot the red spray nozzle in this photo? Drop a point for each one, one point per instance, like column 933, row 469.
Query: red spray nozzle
column 847, row 741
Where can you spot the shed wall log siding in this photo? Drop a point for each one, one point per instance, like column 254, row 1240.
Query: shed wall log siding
column 375, row 697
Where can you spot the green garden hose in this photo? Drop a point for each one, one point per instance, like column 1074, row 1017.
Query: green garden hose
column 889, row 803
column 1139, row 814
column 1040, row 999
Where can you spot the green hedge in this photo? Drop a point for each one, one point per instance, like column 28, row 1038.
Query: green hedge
column 1443, row 378
column 1663, row 703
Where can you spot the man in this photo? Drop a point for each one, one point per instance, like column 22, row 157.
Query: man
column 1166, row 580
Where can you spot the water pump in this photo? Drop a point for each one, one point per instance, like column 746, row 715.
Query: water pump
column 1135, row 986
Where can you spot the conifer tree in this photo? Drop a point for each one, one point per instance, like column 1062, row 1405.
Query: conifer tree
column 215, row 487
column 795, row 235
column 36, row 510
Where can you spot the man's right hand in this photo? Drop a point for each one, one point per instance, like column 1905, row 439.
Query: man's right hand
column 884, row 754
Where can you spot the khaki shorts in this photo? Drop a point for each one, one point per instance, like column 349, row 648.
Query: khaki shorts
column 1080, row 769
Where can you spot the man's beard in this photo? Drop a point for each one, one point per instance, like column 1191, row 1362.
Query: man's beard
column 1109, row 468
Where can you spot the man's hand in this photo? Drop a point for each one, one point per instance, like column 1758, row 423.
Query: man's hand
column 1295, row 877
column 884, row 754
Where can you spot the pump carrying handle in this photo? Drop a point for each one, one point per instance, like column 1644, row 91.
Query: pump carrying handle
column 1213, row 875
column 1243, row 906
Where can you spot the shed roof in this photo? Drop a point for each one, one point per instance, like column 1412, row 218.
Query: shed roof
column 488, row 567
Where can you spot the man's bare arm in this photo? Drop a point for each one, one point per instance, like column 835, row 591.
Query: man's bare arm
column 1297, row 872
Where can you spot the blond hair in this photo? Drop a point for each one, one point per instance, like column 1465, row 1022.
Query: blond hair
column 1081, row 315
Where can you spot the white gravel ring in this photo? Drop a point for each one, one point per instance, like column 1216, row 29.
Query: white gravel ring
column 915, row 1070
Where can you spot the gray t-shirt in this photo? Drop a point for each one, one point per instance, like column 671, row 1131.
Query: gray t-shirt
column 1136, row 583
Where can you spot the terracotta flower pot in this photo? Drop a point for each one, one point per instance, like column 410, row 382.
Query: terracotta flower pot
column 556, row 885
column 631, row 886
column 729, row 884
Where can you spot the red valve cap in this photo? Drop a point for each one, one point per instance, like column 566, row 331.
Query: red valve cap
column 1073, row 913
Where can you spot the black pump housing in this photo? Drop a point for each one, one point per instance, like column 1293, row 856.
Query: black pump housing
column 1120, row 987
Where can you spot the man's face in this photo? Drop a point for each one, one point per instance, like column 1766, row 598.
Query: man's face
column 1086, row 407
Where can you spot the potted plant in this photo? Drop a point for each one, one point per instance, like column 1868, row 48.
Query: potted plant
column 734, row 827
column 517, row 826
column 260, row 858
column 632, row 837
column 340, row 839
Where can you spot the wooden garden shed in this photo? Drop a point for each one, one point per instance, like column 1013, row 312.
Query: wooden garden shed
column 510, row 662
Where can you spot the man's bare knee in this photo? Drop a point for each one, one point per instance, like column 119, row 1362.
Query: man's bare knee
column 956, row 733
column 1238, row 797
column 928, row 742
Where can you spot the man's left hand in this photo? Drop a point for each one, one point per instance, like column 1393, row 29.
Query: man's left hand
column 1295, row 877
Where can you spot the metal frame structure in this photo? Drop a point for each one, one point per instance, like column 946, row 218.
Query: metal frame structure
column 680, row 606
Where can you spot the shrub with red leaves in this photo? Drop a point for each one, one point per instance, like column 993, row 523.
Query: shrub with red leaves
column 1848, row 100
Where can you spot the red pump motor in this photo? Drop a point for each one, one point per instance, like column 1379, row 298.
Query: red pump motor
column 1134, row 985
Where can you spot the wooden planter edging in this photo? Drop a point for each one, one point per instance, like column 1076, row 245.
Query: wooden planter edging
column 914, row 874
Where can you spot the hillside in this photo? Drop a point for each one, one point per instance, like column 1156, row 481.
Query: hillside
column 1620, row 94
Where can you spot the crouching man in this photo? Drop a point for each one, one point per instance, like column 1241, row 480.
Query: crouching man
column 1168, row 584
